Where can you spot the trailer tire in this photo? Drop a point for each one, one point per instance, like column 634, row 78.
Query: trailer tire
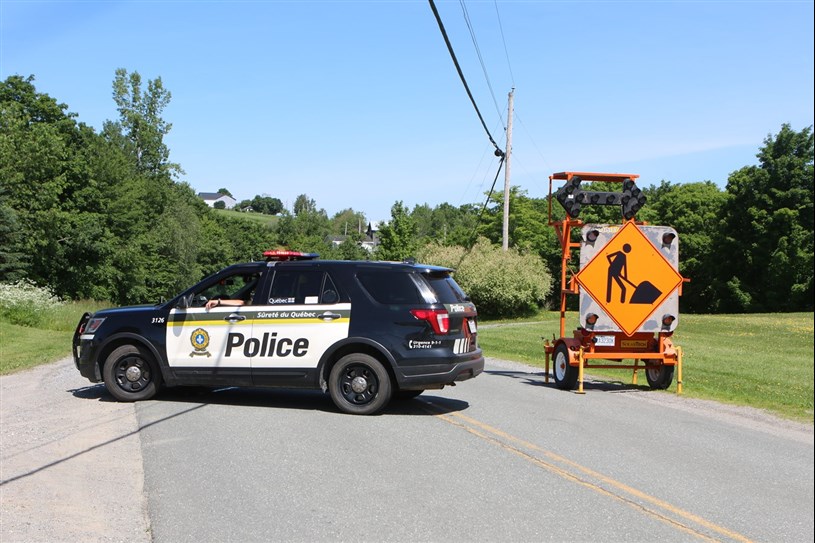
column 660, row 377
column 565, row 374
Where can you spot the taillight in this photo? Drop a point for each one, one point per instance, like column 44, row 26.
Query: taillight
column 93, row 325
column 439, row 319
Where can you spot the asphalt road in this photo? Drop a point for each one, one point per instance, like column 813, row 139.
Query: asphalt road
column 503, row 457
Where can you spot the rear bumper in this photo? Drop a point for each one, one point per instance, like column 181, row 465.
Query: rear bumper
column 436, row 374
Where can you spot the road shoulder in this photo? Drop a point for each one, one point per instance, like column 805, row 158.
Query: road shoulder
column 70, row 460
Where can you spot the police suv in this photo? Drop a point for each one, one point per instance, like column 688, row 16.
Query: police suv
column 363, row 331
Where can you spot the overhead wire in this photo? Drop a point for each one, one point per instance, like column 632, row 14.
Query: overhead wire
column 498, row 151
column 480, row 58
column 504, row 41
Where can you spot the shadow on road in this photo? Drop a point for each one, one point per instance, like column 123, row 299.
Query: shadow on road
column 589, row 382
column 305, row 400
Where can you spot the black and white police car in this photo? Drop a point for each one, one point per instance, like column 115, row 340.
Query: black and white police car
column 363, row 331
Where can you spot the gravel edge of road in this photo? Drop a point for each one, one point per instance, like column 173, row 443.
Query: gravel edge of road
column 70, row 460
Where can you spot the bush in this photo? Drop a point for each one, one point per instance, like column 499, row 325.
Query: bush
column 25, row 304
column 501, row 284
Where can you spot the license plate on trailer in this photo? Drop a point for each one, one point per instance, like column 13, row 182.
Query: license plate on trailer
column 604, row 341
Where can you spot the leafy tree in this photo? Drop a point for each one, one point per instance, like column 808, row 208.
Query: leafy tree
column 452, row 225
column 141, row 123
column 349, row 223
column 266, row 205
column 693, row 210
column 398, row 239
column 219, row 205
column 767, row 225
column 307, row 231
column 12, row 261
column 225, row 192
column 304, row 204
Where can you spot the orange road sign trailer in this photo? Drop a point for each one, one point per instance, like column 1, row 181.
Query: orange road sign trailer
column 628, row 285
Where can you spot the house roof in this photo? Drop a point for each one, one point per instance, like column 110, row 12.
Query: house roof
column 213, row 195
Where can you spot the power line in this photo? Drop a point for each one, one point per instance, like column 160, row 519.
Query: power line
column 506, row 53
column 480, row 58
column 498, row 151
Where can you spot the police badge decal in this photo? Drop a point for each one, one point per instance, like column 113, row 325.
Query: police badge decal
column 200, row 341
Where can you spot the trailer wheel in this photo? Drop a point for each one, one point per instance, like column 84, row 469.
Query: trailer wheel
column 660, row 377
column 565, row 373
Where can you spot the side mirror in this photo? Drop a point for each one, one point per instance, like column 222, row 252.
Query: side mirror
column 184, row 302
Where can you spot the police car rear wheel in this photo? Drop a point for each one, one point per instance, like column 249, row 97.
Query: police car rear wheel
column 130, row 375
column 359, row 384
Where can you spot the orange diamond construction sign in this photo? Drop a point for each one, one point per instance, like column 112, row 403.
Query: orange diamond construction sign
column 629, row 278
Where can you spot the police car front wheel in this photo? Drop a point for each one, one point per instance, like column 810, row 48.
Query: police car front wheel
column 129, row 374
column 359, row 384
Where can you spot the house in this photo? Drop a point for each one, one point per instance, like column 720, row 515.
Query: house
column 211, row 197
column 369, row 242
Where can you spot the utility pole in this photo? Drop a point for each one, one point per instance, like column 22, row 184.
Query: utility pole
column 506, row 171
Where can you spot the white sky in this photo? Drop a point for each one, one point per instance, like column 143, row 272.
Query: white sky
column 358, row 104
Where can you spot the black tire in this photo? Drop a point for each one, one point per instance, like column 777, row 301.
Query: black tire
column 660, row 377
column 130, row 374
column 565, row 374
column 359, row 384
column 406, row 394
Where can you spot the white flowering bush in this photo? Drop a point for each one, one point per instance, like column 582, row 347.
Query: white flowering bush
column 25, row 304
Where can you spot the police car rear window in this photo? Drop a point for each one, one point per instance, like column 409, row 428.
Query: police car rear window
column 448, row 291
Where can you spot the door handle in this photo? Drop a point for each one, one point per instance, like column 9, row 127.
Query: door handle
column 234, row 317
column 328, row 316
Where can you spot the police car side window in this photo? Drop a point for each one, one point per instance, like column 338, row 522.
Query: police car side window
column 296, row 287
column 240, row 286
column 391, row 288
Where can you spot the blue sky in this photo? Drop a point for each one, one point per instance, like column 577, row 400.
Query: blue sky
column 358, row 104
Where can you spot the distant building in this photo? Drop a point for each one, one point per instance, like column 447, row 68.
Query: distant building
column 369, row 242
column 211, row 197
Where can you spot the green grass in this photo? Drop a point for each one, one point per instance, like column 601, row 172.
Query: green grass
column 22, row 347
column 762, row 361
column 758, row 360
column 269, row 220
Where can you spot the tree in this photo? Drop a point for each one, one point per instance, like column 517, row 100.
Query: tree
column 349, row 223
column 397, row 239
column 266, row 205
column 141, row 123
column 767, row 226
column 225, row 192
column 12, row 261
column 694, row 211
column 304, row 204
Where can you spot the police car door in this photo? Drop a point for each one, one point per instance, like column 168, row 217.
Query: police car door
column 300, row 319
column 206, row 346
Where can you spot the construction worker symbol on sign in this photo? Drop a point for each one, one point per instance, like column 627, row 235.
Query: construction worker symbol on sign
column 644, row 293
